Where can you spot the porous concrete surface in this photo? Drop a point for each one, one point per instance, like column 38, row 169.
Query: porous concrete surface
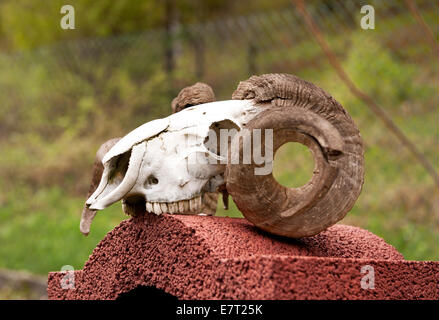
column 198, row 257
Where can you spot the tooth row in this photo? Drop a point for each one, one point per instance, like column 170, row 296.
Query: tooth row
column 192, row 206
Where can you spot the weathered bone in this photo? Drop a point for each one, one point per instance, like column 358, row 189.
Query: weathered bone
column 189, row 96
column 165, row 156
column 160, row 174
column 88, row 214
column 113, row 192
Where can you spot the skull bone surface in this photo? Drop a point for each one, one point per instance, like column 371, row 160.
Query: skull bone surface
column 167, row 163
column 171, row 165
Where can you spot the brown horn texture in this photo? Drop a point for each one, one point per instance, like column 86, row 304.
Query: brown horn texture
column 298, row 111
column 190, row 96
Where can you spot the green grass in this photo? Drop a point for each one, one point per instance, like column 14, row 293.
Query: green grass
column 40, row 231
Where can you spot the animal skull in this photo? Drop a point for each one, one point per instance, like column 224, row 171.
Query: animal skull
column 153, row 161
column 151, row 165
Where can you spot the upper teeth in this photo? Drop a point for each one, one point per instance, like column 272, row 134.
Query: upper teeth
column 192, row 206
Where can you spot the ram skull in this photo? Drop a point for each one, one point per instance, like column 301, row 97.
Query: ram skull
column 151, row 167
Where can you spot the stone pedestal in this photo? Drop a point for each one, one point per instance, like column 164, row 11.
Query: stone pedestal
column 196, row 257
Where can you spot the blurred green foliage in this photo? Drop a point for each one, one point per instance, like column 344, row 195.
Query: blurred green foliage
column 60, row 102
column 26, row 24
column 44, row 234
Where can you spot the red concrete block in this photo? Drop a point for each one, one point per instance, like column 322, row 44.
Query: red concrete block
column 194, row 257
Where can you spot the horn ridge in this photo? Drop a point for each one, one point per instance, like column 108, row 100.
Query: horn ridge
column 299, row 111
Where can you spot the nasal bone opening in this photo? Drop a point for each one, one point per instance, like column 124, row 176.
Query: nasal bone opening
column 119, row 184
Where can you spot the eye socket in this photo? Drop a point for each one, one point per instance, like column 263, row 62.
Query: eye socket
column 152, row 180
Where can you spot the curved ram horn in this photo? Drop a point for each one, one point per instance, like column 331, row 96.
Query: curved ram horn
column 298, row 111
column 198, row 93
